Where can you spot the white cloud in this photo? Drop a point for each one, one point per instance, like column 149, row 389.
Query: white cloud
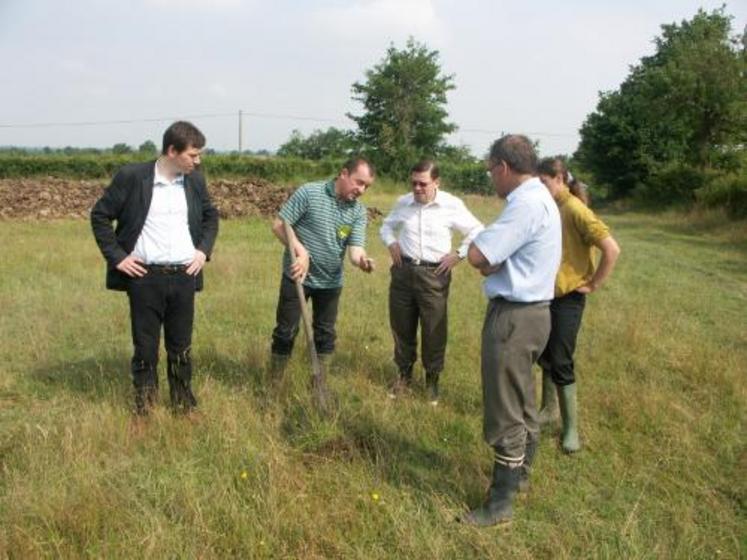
column 363, row 20
column 200, row 4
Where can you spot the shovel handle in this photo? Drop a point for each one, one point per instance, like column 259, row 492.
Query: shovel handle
column 290, row 237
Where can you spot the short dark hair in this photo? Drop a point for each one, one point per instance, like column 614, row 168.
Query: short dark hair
column 426, row 165
column 517, row 151
column 182, row 135
column 355, row 162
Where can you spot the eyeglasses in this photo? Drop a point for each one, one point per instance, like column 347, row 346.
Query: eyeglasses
column 489, row 172
column 421, row 184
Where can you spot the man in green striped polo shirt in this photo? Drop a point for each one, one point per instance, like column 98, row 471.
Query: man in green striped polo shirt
column 328, row 220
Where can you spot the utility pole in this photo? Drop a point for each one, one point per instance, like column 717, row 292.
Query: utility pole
column 241, row 131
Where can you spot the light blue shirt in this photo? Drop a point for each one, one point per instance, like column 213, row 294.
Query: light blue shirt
column 526, row 240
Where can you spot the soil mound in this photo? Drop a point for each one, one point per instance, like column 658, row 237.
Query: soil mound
column 52, row 198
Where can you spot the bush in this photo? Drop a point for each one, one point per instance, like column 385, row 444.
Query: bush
column 672, row 184
column 727, row 191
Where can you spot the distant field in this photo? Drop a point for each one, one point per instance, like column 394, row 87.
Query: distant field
column 663, row 399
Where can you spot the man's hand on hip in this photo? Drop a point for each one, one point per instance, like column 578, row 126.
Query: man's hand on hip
column 197, row 263
column 447, row 263
column 132, row 267
column 396, row 254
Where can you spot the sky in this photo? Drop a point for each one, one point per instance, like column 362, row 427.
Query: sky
column 93, row 73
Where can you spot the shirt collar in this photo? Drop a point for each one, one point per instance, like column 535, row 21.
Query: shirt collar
column 437, row 200
column 159, row 179
column 527, row 185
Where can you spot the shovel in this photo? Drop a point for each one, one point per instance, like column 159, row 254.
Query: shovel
column 320, row 394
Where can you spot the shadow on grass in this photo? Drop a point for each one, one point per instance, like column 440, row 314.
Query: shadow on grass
column 98, row 379
column 108, row 379
column 353, row 436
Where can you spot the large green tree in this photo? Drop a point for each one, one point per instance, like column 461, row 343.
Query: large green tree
column 404, row 102
column 686, row 105
column 320, row 144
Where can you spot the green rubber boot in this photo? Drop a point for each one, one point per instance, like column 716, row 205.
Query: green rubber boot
column 548, row 413
column 569, row 414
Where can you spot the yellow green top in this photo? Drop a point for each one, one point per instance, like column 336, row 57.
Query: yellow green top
column 582, row 230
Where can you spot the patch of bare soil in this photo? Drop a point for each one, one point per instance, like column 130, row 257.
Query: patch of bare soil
column 51, row 198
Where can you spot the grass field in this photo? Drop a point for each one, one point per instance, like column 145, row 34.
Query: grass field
column 663, row 401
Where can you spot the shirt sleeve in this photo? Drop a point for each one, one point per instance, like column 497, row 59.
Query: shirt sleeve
column 358, row 233
column 507, row 234
column 295, row 207
column 391, row 224
column 592, row 229
column 466, row 223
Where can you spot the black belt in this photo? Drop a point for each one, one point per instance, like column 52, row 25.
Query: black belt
column 166, row 268
column 418, row 262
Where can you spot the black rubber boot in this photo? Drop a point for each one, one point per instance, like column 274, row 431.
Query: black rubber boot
column 179, row 371
column 497, row 508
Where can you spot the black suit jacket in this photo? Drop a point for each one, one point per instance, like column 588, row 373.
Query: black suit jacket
column 127, row 200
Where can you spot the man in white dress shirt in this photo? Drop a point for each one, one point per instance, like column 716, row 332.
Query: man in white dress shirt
column 166, row 228
column 519, row 254
column 417, row 233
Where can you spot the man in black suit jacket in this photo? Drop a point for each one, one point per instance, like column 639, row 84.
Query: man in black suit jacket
column 166, row 228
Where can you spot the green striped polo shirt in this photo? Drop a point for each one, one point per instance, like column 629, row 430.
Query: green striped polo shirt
column 326, row 226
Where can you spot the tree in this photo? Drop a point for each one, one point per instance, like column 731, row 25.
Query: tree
column 330, row 143
column 404, row 99
column 121, row 148
column 683, row 106
column 147, row 147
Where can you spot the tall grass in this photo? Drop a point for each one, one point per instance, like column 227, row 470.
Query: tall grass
column 661, row 365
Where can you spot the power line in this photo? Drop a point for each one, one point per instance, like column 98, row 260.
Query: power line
column 162, row 119
column 279, row 116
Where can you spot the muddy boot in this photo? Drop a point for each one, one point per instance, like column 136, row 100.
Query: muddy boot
column 402, row 385
column 146, row 398
column 497, row 508
column 277, row 367
column 548, row 412
column 179, row 370
column 431, row 388
column 569, row 414
column 325, row 362
column 526, row 467
column 145, row 381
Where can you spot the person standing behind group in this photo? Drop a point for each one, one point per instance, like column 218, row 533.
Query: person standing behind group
column 519, row 254
column 417, row 233
column 166, row 228
column 328, row 220
column 577, row 277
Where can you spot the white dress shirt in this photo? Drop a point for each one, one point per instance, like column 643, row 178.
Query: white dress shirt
column 165, row 238
column 424, row 230
column 526, row 238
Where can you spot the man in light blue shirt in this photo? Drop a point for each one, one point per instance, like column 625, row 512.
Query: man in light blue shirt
column 519, row 254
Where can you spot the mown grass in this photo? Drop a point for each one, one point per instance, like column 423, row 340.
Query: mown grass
column 661, row 364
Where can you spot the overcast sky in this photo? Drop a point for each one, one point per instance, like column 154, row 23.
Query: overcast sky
column 522, row 66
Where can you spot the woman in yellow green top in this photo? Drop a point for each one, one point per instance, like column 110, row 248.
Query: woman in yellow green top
column 578, row 276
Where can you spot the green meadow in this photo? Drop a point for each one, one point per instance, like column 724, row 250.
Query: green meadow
column 661, row 361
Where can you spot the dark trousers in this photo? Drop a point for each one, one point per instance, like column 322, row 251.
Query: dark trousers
column 566, row 314
column 513, row 337
column 418, row 295
column 324, row 315
column 168, row 300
